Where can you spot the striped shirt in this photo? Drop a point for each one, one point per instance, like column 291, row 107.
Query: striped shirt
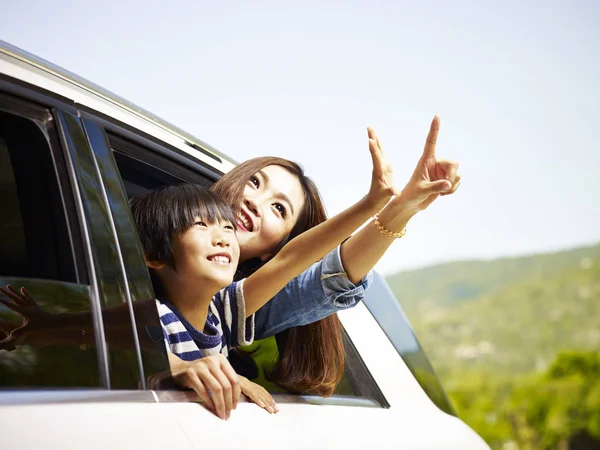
column 226, row 326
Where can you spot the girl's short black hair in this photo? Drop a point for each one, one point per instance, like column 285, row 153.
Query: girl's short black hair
column 166, row 212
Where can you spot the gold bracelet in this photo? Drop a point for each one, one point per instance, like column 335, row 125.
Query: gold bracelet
column 386, row 232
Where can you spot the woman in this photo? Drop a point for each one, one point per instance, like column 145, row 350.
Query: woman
column 264, row 193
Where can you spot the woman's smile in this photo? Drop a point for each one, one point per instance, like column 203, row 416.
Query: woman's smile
column 245, row 222
column 273, row 199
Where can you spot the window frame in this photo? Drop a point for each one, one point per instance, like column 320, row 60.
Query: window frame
column 111, row 286
column 138, row 287
column 42, row 116
column 161, row 163
column 137, row 138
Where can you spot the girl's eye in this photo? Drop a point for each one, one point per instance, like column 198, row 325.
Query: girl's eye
column 254, row 180
column 202, row 224
column 279, row 207
column 229, row 227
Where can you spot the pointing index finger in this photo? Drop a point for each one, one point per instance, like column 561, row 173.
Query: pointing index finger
column 429, row 151
column 375, row 150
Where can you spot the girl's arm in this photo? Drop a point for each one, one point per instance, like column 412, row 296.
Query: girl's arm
column 431, row 178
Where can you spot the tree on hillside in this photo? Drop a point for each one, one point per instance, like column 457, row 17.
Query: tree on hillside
column 561, row 408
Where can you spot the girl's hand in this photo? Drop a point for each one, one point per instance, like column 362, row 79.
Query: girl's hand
column 258, row 395
column 212, row 378
column 34, row 318
column 382, row 188
column 432, row 177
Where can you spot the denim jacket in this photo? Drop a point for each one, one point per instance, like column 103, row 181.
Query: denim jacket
column 321, row 290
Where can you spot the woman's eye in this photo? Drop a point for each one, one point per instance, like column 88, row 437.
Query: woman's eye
column 254, row 181
column 202, row 224
column 229, row 227
column 279, row 207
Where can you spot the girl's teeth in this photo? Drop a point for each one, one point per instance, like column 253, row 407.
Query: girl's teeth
column 221, row 259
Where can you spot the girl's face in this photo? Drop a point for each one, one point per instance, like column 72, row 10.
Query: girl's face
column 208, row 253
column 273, row 200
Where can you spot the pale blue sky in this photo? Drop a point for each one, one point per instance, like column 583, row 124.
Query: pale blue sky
column 516, row 87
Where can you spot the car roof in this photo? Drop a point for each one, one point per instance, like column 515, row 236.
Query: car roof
column 22, row 65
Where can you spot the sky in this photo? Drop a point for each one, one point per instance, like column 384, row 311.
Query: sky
column 516, row 85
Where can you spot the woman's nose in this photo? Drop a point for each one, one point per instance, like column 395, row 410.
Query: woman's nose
column 252, row 205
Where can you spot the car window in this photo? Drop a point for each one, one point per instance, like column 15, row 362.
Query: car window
column 142, row 169
column 53, row 348
column 31, row 229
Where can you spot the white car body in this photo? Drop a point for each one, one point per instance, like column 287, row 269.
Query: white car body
column 150, row 420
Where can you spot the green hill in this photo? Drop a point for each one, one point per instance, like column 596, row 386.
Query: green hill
column 494, row 330
column 508, row 315
column 450, row 283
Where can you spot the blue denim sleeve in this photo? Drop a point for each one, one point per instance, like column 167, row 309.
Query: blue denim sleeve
column 321, row 290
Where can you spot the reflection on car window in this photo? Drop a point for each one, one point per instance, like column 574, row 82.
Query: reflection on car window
column 43, row 352
column 37, row 349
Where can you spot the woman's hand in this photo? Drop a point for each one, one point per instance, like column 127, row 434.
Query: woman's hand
column 258, row 395
column 382, row 188
column 34, row 318
column 431, row 178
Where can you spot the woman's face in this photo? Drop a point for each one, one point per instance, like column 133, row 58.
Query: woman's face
column 273, row 200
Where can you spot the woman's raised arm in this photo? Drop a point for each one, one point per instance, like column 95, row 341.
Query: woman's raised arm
column 430, row 179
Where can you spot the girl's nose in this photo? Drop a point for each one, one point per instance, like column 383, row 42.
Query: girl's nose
column 220, row 240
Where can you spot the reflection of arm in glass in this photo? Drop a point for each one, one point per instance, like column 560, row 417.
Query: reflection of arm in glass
column 42, row 328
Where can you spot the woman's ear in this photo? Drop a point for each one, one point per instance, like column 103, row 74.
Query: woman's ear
column 155, row 264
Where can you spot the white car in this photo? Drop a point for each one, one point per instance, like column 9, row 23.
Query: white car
column 70, row 155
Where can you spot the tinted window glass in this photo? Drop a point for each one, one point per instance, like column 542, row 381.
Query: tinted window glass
column 33, row 233
column 46, row 337
column 52, row 353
